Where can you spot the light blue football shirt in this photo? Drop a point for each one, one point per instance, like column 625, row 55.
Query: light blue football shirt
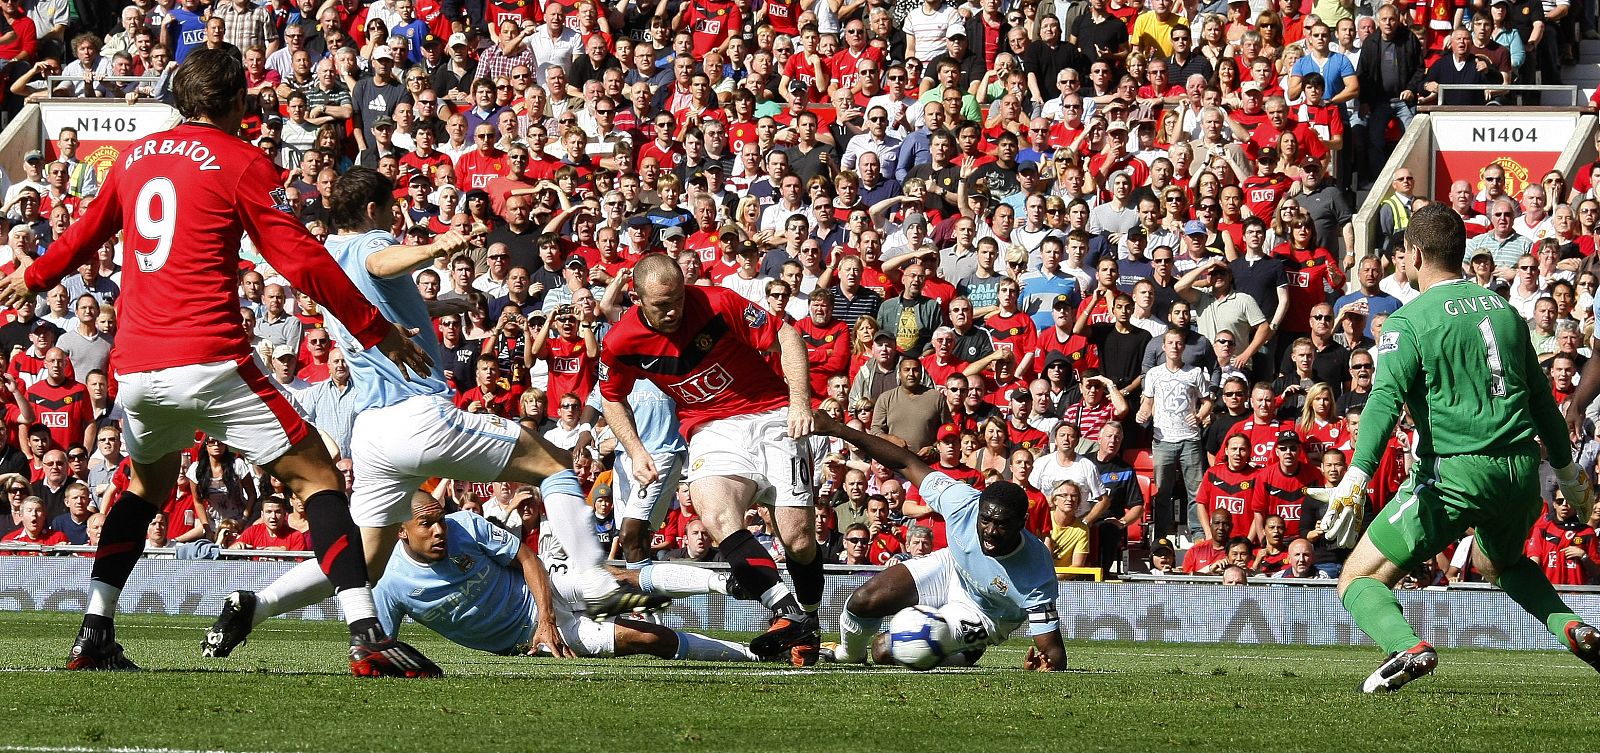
column 475, row 596
column 378, row 381
column 1011, row 588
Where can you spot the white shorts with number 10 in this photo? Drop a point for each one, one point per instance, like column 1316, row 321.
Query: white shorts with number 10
column 756, row 447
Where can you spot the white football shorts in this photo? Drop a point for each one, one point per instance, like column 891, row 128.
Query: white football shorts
column 230, row 400
column 756, row 447
column 396, row 448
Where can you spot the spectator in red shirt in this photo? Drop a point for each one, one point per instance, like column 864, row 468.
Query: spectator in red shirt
column 490, row 394
column 62, row 403
column 273, row 530
column 1231, row 485
column 35, row 530
column 882, row 545
column 572, row 353
column 1209, row 556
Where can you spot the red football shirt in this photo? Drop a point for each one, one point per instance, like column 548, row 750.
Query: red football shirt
column 1283, row 495
column 827, row 351
column 1262, row 192
column 1313, row 276
column 710, row 22
column 186, row 196
column 571, row 370
column 1224, row 489
column 476, row 168
column 258, row 537
column 64, row 409
column 1547, row 543
column 712, row 364
column 1263, row 438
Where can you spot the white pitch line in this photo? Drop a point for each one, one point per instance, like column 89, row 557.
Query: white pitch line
column 118, row 749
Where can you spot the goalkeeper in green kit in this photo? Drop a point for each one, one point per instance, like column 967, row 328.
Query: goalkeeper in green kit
column 1460, row 358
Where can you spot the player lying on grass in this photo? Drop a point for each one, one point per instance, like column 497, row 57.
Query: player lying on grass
column 475, row 584
column 1460, row 359
column 993, row 576
column 407, row 430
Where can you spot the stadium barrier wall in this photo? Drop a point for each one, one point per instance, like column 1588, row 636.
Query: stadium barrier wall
column 1147, row 610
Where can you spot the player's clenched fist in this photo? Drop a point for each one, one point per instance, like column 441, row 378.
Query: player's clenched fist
column 14, row 289
column 644, row 470
column 801, row 421
column 449, row 244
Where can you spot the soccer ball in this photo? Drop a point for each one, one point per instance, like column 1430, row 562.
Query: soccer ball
column 919, row 638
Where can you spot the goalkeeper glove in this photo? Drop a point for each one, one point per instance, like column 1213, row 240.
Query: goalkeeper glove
column 1576, row 488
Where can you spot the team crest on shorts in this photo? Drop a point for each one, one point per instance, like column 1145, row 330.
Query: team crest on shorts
column 697, row 463
column 497, row 422
column 462, row 561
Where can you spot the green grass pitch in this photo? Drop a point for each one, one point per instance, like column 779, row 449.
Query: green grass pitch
column 288, row 690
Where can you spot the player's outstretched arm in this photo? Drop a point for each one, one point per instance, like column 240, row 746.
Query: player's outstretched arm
column 890, row 455
column 400, row 259
column 1047, row 654
column 545, row 635
column 1588, row 387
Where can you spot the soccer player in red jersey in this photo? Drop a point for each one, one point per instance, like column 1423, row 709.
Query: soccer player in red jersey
column 185, row 196
column 747, row 429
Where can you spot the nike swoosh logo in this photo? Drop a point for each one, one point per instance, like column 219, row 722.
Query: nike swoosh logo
column 650, row 364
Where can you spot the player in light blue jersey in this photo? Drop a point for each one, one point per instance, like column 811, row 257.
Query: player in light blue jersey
column 407, row 432
column 642, row 510
column 475, row 584
column 992, row 578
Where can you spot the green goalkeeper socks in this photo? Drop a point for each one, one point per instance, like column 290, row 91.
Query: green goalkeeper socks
column 1527, row 585
column 1377, row 612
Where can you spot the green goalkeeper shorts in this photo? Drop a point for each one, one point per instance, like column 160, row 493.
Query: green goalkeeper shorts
column 1496, row 495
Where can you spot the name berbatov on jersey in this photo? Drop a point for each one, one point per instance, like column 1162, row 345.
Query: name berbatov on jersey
column 195, row 150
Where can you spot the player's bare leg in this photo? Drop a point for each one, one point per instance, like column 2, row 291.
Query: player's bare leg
column 722, row 502
column 309, row 473
column 884, row 595
column 1366, row 587
column 797, row 530
column 1527, row 585
column 537, row 462
column 121, row 545
column 677, row 581
column 634, row 638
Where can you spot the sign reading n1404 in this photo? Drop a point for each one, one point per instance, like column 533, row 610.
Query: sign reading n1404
column 1492, row 135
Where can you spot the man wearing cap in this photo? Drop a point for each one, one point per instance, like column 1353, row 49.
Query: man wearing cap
column 376, row 96
column 1266, row 185
column 380, row 145
column 1327, row 207
column 452, row 79
column 33, row 172
column 913, row 409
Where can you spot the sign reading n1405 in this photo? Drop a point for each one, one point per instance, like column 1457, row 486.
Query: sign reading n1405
column 94, row 124
column 1491, row 135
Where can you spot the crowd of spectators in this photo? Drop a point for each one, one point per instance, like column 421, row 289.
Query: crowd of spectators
column 1102, row 250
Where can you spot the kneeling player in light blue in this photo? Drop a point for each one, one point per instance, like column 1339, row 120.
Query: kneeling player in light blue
column 475, row 584
column 993, row 576
column 407, row 430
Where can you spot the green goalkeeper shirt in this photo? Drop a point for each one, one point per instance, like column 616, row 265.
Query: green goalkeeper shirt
column 1460, row 358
